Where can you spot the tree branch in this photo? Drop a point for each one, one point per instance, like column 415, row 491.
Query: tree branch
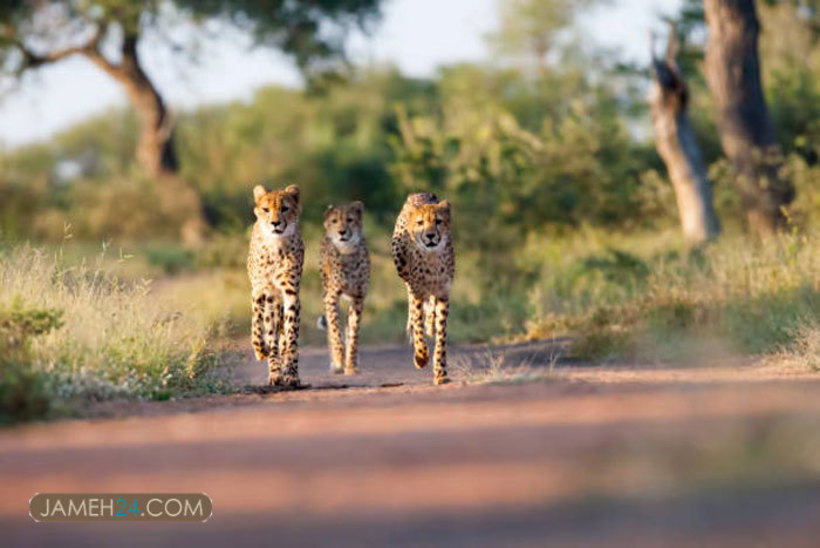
column 673, row 46
column 34, row 60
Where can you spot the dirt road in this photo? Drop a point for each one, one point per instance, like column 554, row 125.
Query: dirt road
column 574, row 455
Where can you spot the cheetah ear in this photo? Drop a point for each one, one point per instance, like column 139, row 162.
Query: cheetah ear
column 358, row 207
column 444, row 207
column 292, row 191
column 327, row 211
column 258, row 192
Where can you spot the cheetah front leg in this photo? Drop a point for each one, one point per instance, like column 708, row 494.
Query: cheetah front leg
column 289, row 343
column 354, row 317
column 274, row 328
column 260, row 348
column 421, row 354
column 334, row 334
column 410, row 305
column 442, row 309
column 430, row 317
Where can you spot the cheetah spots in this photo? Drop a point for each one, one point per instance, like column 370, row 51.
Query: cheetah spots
column 421, row 357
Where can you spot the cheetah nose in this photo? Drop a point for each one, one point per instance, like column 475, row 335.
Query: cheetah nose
column 277, row 223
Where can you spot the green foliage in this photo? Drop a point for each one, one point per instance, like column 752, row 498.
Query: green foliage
column 170, row 258
column 528, row 28
column 24, row 393
column 313, row 33
column 580, row 167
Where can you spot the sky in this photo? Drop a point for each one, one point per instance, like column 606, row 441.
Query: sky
column 417, row 36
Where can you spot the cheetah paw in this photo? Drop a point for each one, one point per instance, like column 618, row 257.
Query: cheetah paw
column 438, row 381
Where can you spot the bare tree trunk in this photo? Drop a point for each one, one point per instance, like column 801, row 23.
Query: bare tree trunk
column 676, row 143
column 155, row 148
column 746, row 131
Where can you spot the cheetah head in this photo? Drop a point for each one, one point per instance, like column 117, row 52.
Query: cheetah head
column 343, row 225
column 430, row 225
column 277, row 210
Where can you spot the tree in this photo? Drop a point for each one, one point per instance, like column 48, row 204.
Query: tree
column 34, row 33
column 677, row 145
column 528, row 27
column 746, row 131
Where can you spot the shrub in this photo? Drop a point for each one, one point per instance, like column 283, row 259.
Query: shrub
column 24, row 392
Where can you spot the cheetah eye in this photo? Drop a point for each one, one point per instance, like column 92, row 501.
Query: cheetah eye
column 285, row 209
column 438, row 222
column 350, row 219
column 419, row 222
column 334, row 221
column 266, row 210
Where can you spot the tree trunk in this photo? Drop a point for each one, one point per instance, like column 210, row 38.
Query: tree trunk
column 676, row 143
column 746, row 131
column 155, row 149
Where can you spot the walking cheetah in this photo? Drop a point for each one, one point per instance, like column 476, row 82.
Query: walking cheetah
column 275, row 264
column 425, row 259
column 344, row 264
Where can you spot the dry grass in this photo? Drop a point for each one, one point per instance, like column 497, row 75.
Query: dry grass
column 115, row 339
column 492, row 366
column 737, row 296
column 804, row 353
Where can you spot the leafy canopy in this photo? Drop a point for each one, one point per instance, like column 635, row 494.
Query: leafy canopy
column 313, row 32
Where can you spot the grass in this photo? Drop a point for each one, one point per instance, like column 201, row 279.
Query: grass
column 804, row 352
column 620, row 296
column 113, row 339
column 491, row 366
column 736, row 296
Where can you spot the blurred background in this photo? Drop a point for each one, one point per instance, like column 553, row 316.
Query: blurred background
column 133, row 131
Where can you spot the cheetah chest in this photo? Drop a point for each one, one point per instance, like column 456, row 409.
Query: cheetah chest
column 350, row 274
column 431, row 272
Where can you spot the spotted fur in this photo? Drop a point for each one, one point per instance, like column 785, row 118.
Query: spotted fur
column 275, row 263
column 425, row 259
column 344, row 264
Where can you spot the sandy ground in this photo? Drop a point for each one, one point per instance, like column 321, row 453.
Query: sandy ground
column 551, row 453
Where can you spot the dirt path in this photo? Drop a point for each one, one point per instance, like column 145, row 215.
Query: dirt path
column 727, row 454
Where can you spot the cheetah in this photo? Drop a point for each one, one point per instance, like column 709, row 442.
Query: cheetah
column 275, row 263
column 425, row 259
column 344, row 265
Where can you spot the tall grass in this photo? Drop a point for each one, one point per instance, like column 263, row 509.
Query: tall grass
column 626, row 297
column 115, row 339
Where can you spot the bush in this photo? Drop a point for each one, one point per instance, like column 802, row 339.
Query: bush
column 24, row 393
